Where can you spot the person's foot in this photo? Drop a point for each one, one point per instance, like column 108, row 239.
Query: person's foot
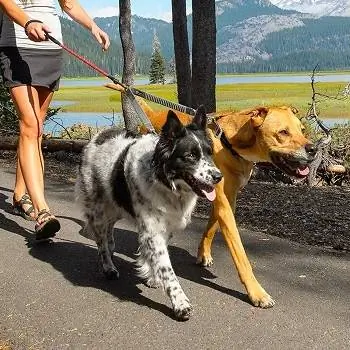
column 24, row 207
column 46, row 225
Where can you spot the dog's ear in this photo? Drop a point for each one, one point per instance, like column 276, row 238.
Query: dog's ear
column 172, row 126
column 258, row 116
column 200, row 118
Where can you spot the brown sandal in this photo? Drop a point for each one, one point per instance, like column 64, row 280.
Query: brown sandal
column 47, row 225
column 18, row 207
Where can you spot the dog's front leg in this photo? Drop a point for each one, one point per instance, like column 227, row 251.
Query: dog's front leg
column 204, row 257
column 223, row 212
column 154, row 265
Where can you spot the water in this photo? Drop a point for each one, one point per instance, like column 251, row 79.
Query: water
column 232, row 79
column 100, row 120
column 103, row 119
column 67, row 119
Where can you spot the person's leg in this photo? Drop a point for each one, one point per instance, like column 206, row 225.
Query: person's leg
column 31, row 104
column 45, row 97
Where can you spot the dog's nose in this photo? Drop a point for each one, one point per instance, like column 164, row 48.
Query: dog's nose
column 217, row 176
column 311, row 149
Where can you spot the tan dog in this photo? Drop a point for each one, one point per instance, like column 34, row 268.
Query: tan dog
column 273, row 135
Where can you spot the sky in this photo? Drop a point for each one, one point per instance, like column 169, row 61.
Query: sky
column 160, row 9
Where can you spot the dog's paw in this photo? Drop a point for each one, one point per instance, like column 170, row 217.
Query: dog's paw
column 264, row 301
column 183, row 312
column 205, row 260
column 152, row 283
column 111, row 273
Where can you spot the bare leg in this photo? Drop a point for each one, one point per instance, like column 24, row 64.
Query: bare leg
column 31, row 104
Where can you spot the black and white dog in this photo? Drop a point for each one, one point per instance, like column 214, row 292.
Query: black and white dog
column 154, row 180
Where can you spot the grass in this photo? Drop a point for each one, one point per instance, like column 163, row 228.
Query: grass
column 229, row 97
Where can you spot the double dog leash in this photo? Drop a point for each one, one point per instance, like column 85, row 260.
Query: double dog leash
column 131, row 92
column 136, row 92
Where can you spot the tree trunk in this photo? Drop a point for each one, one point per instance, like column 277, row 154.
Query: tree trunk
column 204, row 54
column 182, row 52
column 129, row 113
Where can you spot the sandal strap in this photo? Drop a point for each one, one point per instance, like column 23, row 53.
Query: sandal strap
column 29, row 210
column 43, row 215
column 25, row 200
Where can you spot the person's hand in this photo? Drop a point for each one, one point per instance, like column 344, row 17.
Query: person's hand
column 100, row 36
column 37, row 31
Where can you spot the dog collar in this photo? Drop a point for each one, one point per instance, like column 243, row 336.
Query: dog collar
column 220, row 134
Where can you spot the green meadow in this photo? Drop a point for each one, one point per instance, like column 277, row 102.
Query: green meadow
column 229, row 97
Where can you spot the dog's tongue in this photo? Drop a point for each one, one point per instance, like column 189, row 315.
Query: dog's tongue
column 210, row 195
column 303, row 171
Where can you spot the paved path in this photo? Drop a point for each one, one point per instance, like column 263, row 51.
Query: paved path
column 52, row 296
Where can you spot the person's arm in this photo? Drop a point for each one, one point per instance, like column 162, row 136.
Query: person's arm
column 73, row 9
column 34, row 30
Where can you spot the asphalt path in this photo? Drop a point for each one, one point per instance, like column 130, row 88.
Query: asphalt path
column 53, row 295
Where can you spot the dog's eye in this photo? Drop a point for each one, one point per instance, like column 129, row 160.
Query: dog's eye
column 284, row 132
column 190, row 156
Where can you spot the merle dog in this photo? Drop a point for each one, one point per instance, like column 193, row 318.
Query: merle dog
column 155, row 180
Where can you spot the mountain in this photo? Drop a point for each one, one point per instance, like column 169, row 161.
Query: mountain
column 233, row 11
column 252, row 36
column 317, row 7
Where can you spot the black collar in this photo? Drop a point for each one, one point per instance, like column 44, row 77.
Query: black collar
column 224, row 140
column 220, row 134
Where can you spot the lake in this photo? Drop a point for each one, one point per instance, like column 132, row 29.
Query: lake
column 230, row 79
column 100, row 120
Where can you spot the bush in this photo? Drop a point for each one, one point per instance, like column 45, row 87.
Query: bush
column 81, row 131
column 8, row 114
column 340, row 145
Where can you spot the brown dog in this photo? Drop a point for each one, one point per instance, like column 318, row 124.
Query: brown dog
column 273, row 135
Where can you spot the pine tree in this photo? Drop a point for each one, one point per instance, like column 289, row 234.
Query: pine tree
column 172, row 70
column 157, row 69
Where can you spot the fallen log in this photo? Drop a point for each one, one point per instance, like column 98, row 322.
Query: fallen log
column 9, row 143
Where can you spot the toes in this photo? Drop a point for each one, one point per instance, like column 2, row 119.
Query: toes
column 153, row 284
column 205, row 260
column 263, row 302
column 183, row 314
column 111, row 274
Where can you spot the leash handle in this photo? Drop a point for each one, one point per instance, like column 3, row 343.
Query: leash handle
column 145, row 95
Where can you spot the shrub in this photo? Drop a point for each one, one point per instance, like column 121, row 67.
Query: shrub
column 8, row 114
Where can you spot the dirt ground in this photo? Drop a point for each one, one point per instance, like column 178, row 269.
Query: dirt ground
column 310, row 215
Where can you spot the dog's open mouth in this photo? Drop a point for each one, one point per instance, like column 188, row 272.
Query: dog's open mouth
column 290, row 165
column 201, row 188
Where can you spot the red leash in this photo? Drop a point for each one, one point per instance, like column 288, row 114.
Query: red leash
column 85, row 60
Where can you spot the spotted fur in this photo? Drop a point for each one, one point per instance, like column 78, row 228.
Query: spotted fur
column 153, row 180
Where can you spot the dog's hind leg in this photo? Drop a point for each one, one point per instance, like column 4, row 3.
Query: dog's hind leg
column 154, row 263
column 110, row 238
column 102, row 230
